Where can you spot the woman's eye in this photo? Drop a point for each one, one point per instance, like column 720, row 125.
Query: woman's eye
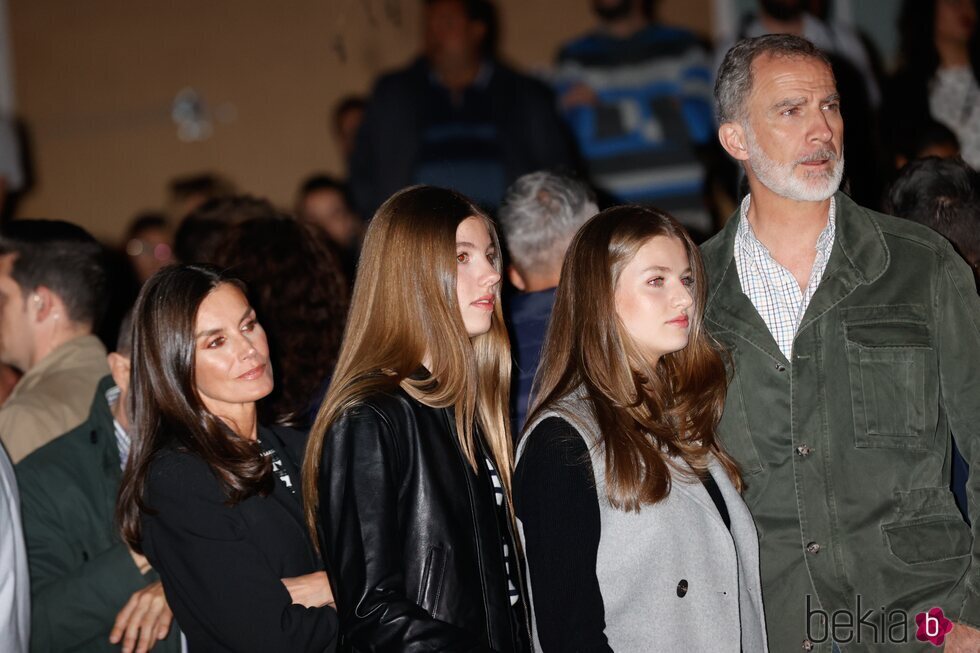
column 217, row 342
column 462, row 258
column 687, row 281
column 656, row 281
column 249, row 326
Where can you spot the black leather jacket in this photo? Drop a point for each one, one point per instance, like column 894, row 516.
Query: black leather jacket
column 411, row 536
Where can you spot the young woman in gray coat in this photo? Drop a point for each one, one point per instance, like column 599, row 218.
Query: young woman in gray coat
column 635, row 534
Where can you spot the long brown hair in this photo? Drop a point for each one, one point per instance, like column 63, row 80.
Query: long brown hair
column 645, row 412
column 167, row 409
column 404, row 306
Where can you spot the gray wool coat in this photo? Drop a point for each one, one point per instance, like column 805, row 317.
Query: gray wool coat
column 644, row 557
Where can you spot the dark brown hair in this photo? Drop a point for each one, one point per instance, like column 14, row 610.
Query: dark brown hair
column 63, row 257
column 300, row 296
column 167, row 410
column 644, row 412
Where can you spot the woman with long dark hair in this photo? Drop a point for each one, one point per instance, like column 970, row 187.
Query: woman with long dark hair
column 938, row 78
column 209, row 496
column 635, row 535
column 407, row 472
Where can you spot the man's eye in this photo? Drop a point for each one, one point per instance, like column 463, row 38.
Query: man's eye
column 832, row 106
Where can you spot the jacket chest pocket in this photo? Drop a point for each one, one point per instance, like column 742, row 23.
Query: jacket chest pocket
column 893, row 376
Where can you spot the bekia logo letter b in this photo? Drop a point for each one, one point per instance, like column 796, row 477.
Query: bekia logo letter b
column 932, row 626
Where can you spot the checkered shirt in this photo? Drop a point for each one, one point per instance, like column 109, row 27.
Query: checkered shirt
column 122, row 438
column 773, row 289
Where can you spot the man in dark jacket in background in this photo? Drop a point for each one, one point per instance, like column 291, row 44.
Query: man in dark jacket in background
column 457, row 117
column 89, row 591
column 539, row 216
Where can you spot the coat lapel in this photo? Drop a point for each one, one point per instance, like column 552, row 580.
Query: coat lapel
column 699, row 494
column 728, row 308
column 290, row 501
column 859, row 256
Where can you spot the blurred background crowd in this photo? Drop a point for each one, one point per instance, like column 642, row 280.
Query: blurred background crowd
column 261, row 137
column 227, row 132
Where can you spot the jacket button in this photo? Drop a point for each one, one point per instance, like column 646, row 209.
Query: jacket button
column 780, row 367
column 813, row 548
column 681, row 588
column 804, row 450
column 807, row 645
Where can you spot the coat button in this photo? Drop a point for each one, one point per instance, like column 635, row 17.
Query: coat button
column 780, row 367
column 807, row 645
column 813, row 548
column 681, row 588
column 804, row 450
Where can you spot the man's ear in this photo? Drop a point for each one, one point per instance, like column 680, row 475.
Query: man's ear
column 732, row 138
column 44, row 303
column 119, row 368
column 515, row 278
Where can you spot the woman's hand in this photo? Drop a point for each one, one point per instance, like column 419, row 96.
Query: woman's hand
column 311, row 590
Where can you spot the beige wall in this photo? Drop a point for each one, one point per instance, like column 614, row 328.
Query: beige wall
column 95, row 81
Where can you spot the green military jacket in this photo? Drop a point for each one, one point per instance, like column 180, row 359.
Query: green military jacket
column 81, row 572
column 845, row 448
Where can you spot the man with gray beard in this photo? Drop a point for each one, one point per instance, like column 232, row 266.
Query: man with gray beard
column 854, row 338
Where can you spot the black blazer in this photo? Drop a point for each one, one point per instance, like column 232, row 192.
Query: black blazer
column 412, row 536
column 221, row 565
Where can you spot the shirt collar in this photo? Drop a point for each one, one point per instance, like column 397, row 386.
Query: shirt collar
column 112, row 398
column 746, row 239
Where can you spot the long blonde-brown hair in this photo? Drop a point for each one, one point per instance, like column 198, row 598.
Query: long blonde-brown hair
column 645, row 412
column 404, row 307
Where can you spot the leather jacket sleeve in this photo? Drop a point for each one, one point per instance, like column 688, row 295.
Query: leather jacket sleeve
column 360, row 535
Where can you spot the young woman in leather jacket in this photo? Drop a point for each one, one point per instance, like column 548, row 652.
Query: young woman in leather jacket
column 407, row 471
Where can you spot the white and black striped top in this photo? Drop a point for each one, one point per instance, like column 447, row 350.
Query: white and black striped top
column 498, row 492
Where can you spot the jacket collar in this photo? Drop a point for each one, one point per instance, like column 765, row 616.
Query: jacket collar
column 292, row 502
column 102, row 434
column 81, row 354
column 860, row 256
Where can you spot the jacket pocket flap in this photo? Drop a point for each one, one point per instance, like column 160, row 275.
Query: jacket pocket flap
column 898, row 325
column 888, row 334
column 930, row 539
